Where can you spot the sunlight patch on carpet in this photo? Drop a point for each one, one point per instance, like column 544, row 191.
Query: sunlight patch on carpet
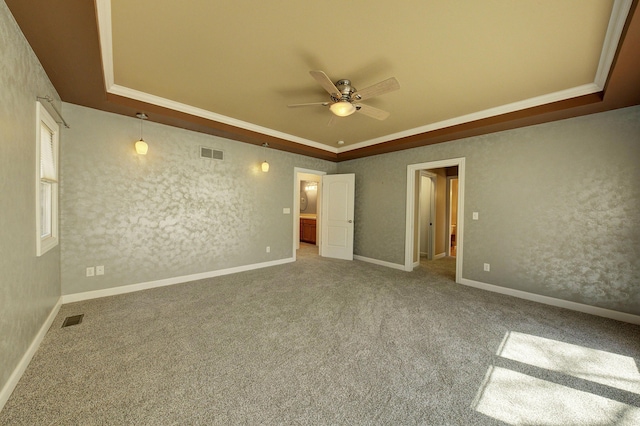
column 602, row 367
column 516, row 397
column 519, row 399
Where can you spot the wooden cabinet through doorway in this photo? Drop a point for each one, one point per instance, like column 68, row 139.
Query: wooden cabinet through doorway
column 308, row 230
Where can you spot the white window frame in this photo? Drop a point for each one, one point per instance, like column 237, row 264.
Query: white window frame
column 44, row 243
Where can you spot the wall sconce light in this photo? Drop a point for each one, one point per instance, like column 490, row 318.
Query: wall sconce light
column 141, row 145
column 265, row 164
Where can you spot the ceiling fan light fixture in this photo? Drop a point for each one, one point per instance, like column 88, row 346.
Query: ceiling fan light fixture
column 342, row 108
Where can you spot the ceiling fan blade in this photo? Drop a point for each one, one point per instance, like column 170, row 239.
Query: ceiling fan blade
column 326, row 83
column 309, row 104
column 388, row 85
column 372, row 112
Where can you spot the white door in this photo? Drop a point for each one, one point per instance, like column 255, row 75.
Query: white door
column 426, row 225
column 338, row 192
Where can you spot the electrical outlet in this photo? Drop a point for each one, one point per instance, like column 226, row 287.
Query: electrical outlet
column 487, row 267
column 286, row 210
column 268, row 249
column 100, row 270
column 91, row 271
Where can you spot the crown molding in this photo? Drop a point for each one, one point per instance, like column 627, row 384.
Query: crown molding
column 618, row 18
column 586, row 89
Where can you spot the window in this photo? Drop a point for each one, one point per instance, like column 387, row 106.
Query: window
column 47, row 181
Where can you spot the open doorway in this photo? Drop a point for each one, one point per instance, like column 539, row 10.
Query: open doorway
column 332, row 223
column 437, row 175
column 307, row 210
column 432, row 221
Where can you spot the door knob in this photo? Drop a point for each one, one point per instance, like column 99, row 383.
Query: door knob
column 350, row 221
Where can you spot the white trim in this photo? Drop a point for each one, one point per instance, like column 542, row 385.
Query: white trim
column 439, row 256
column 460, row 219
column 296, row 206
column 586, row 89
column 619, row 14
column 574, row 306
column 8, row 388
column 43, row 245
column 379, row 262
column 199, row 112
column 113, row 291
column 574, row 92
column 448, row 224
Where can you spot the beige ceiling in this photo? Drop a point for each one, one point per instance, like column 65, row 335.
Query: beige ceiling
column 242, row 62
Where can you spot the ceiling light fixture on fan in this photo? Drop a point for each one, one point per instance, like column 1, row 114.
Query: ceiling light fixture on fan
column 345, row 99
column 342, row 108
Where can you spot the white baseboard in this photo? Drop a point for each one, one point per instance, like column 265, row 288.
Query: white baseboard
column 8, row 388
column 379, row 262
column 113, row 291
column 574, row 306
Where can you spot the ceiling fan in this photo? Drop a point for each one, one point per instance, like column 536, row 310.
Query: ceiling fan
column 345, row 99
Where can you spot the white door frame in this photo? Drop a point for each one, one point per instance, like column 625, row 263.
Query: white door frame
column 296, row 206
column 410, row 210
column 449, row 179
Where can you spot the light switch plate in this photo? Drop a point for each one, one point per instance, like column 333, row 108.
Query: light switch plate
column 91, row 271
column 100, row 270
column 475, row 215
column 286, row 210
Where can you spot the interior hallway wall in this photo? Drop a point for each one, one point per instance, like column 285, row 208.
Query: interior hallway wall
column 558, row 207
column 29, row 285
column 169, row 213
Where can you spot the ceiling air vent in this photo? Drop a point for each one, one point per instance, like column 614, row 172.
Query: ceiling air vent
column 210, row 153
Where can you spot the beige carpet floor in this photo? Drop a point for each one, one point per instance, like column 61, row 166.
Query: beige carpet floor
column 323, row 341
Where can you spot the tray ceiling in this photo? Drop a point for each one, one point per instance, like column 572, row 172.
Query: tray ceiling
column 246, row 60
column 235, row 66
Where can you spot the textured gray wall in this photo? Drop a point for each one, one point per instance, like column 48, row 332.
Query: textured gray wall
column 29, row 285
column 559, row 207
column 169, row 213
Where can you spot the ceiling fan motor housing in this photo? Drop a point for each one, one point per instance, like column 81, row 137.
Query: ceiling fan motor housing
column 346, row 89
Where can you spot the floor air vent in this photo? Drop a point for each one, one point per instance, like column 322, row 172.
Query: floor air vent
column 73, row 320
column 211, row 153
